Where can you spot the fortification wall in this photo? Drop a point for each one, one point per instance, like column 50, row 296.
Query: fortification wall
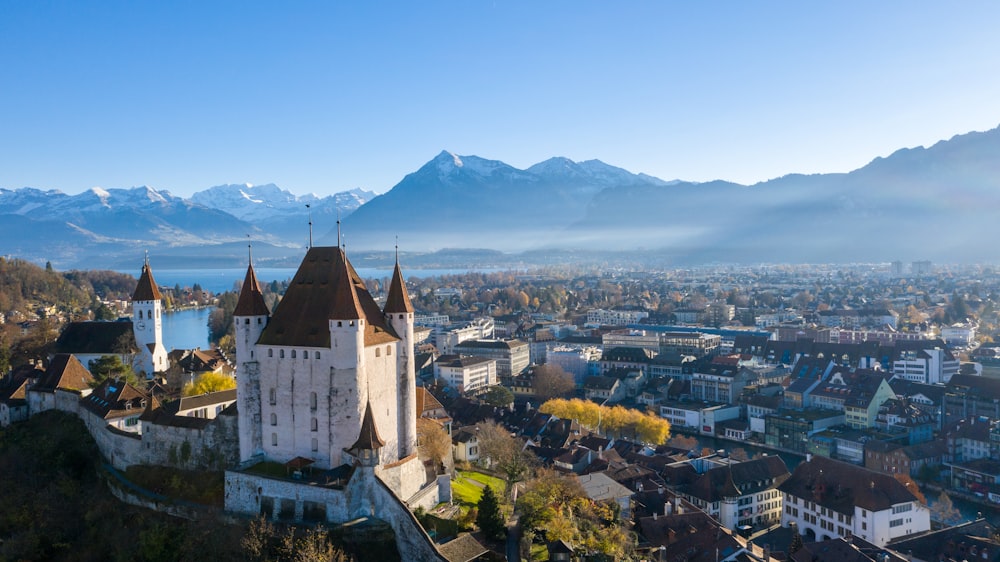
column 213, row 447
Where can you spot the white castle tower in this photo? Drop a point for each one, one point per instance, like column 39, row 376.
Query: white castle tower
column 249, row 319
column 307, row 374
column 147, row 323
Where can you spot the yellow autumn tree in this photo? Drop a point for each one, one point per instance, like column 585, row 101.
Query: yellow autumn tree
column 618, row 420
column 208, row 382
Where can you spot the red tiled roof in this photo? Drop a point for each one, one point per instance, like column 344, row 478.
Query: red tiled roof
column 65, row 372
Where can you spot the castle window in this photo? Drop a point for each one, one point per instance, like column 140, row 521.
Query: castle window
column 274, row 419
column 246, row 320
column 305, row 354
column 270, row 353
column 274, row 439
column 340, row 324
column 251, row 354
column 313, row 425
column 378, row 352
column 259, row 321
column 315, row 444
column 273, row 397
column 317, row 355
column 149, row 314
column 312, row 400
column 388, row 350
column 293, row 354
column 400, row 316
column 281, row 353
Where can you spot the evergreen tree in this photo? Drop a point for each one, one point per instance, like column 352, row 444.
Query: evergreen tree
column 489, row 518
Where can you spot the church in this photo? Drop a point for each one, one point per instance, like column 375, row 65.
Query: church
column 326, row 387
column 138, row 341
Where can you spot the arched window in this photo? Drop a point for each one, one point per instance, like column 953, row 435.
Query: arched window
column 293, row 354
column 274, row 419
column 388, row 350
column 305, row 354
column 317, row 355
column 246, row 320
column 312, row 400
column 274, row 439
column 281, row 353
column 270, row 353
column 313, row 425
column 273, row 397
column 315, row 444
column 149, row 314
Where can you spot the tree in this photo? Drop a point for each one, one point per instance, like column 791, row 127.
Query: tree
column 945, row 511
column 111, row 367
column 209, row 382
column 905, row 480
column 551, row 381
column 434, row 444
column 489, row 519
column 505, row 453
column 499, row 396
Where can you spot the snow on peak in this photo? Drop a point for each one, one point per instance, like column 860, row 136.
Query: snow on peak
column 456, row 159
column 100, row 193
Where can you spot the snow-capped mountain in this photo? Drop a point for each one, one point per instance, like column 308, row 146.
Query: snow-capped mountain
column 267, row 202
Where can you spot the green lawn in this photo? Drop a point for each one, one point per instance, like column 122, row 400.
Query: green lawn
column 465, row 492
column 496, row 483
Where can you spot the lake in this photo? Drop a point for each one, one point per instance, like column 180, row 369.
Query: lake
column 186, row 329
column 220, row 280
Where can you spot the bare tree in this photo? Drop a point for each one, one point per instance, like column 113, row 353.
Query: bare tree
column 505, row 453
column 434, row 444
column 551, row 381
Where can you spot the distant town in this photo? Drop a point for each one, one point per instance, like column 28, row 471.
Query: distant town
column 727, row 412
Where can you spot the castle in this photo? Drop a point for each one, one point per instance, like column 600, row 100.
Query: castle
column 326, row 387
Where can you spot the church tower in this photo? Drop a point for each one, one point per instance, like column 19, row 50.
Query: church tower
column 147, row 322
column 249, row 319
column 399, row 313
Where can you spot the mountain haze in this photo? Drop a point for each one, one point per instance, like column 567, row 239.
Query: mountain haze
column 933, row 203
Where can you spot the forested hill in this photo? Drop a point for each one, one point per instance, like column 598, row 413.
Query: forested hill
column 26, row 287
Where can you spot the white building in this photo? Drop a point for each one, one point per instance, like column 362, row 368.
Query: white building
column 324, row 361
column 959, row 335
column 930, row 366
column 466, row 374
column 736, row 493
column 512, row 356
column 446, row 338
column 601, row 317
column 579, row 361
column 829, row 499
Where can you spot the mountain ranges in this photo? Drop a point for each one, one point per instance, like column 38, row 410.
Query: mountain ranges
column 933, row 203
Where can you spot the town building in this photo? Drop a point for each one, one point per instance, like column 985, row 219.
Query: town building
column 828, row 499
column 512, row 356
column 466, row 374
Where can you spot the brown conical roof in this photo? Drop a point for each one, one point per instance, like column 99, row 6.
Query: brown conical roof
column 368, row 437
column 398, row 300
column 146, row 289
column 251, row 301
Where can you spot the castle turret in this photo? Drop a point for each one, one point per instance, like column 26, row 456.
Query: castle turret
column 147, row 323
column 728, row 511
column 369, row 444
column 249, row 319
column 398, row 311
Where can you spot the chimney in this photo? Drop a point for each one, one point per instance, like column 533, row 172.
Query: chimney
column 667, row 508
column 809, row 457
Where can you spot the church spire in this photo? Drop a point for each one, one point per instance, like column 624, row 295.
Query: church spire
column 145, row 289
column 398, row 300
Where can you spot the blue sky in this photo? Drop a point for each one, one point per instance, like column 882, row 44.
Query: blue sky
column 326, row 96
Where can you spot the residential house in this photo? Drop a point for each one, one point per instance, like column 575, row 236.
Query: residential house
column 118, row 403
column 828, row 499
